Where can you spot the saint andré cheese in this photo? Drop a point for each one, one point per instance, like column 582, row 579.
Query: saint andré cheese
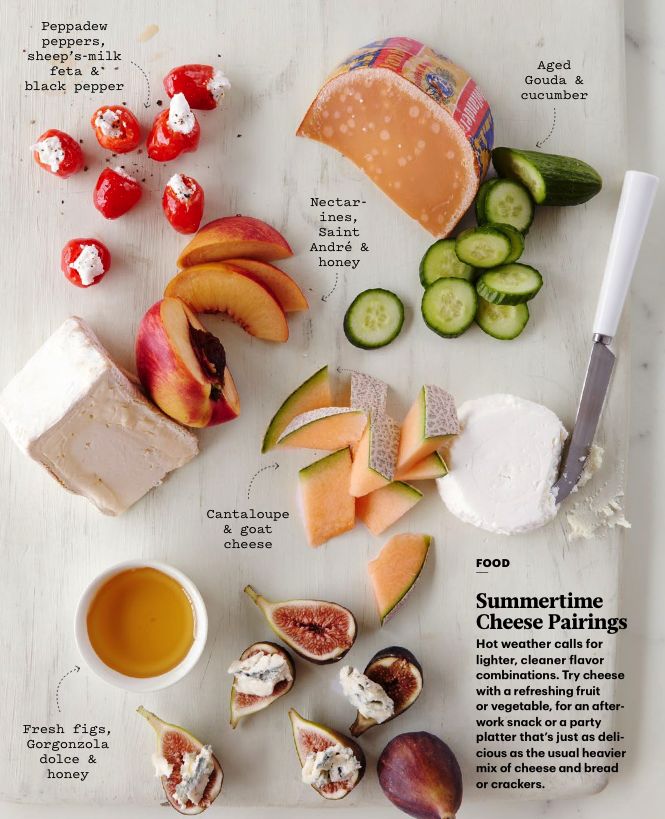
column 415, row 122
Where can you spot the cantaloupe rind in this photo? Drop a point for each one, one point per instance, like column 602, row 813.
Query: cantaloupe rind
column 314, row 393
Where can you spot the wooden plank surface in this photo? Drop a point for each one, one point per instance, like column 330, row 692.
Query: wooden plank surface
column 249, row 161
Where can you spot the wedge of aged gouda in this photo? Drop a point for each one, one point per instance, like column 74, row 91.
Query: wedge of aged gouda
column 415, row 122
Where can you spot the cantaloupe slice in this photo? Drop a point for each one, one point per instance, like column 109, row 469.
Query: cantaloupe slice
column 429, row 422
column 327, row 507
column 218, row 287
column 327, row 429
column 395, row 569
column 281, row 285
column 375, row 458
column 430, row 468
column 368, row 393
column 312, row 394
column 383, row 507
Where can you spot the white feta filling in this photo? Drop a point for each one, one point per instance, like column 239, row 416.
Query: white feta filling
column 107, row 122
column 88, row 264
column 180, row 188
column 503, row 464
column 162, row 766
column 218, row 84
column 367, row 696
column 334, row 764
column 259, row 673
column 50, row 152
column 123, row 173
column 181, row 118
column 194, row 776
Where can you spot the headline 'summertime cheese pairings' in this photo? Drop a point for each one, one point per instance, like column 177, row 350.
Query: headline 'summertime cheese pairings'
column 420, row 129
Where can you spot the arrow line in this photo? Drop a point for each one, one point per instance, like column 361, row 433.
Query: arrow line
column 256, row 474
column 543, row 141
column 328, row 295
column 147, row 103
column 57, row 688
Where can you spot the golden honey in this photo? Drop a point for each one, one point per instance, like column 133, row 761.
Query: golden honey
column 141, row 622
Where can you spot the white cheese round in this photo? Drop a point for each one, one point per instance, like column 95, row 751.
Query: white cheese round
column 503, row 464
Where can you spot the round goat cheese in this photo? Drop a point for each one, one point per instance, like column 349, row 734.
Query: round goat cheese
column 503, row 464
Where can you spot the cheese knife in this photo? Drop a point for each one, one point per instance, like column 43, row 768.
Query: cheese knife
column 637, row 195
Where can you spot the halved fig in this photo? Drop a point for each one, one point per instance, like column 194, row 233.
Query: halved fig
column 400, row 675
column 176, row 748
column 317, row 630
column 244, row 704
column 312, row 739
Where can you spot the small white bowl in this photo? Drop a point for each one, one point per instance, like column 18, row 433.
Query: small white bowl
column 141, row 684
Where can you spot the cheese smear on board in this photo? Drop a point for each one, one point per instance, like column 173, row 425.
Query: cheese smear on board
column 503, row 464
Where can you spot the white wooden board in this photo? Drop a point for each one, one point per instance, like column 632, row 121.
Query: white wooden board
column 53, row 544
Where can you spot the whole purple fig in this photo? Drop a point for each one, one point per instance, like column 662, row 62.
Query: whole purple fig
column 420, row 775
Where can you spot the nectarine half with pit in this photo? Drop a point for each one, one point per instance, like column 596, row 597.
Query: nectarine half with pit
column 290, row 297
column 220, row 287
column 233, row 237
column 183, row 368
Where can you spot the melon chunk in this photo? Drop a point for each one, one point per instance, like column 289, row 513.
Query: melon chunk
column 375, row 459
column 383, row 507
column 368, row 393
column 395, row 569
column 312, row 394
column 327, row 507
column 327, row 429
column 413, row 121
column 431, row 467
column 430, row 421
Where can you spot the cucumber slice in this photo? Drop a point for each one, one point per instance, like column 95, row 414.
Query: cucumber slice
column 481, row 197
column 483, row 246
column 374, row 319
column 516, row 241
column 509, row 284
column 502, row 321
column 449, row 306
column 505, row 202
column 550, row 179
column 440, row 260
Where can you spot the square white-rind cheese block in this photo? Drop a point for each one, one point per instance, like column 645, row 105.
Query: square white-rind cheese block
column 78, row 414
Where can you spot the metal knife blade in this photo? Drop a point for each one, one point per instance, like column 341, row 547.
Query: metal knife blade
column 596, row 383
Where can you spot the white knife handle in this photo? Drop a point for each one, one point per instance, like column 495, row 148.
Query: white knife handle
column 637, row 195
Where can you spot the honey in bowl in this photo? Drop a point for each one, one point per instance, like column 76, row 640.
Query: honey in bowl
column 141, row 622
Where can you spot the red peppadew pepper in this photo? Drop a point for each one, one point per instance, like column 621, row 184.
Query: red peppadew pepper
column 183, row 202
column 202, row 85
column 85, row 261
column 174, row 131
column 58, row 153
column 115, row 193
column 116, row 128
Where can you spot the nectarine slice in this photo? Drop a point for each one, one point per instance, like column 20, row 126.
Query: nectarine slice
column 281, row 285
column 225, row 288
column 233, row 237
column 183, row 368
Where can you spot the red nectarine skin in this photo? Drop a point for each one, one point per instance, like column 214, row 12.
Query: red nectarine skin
column 180, row 392
column 235, row 237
